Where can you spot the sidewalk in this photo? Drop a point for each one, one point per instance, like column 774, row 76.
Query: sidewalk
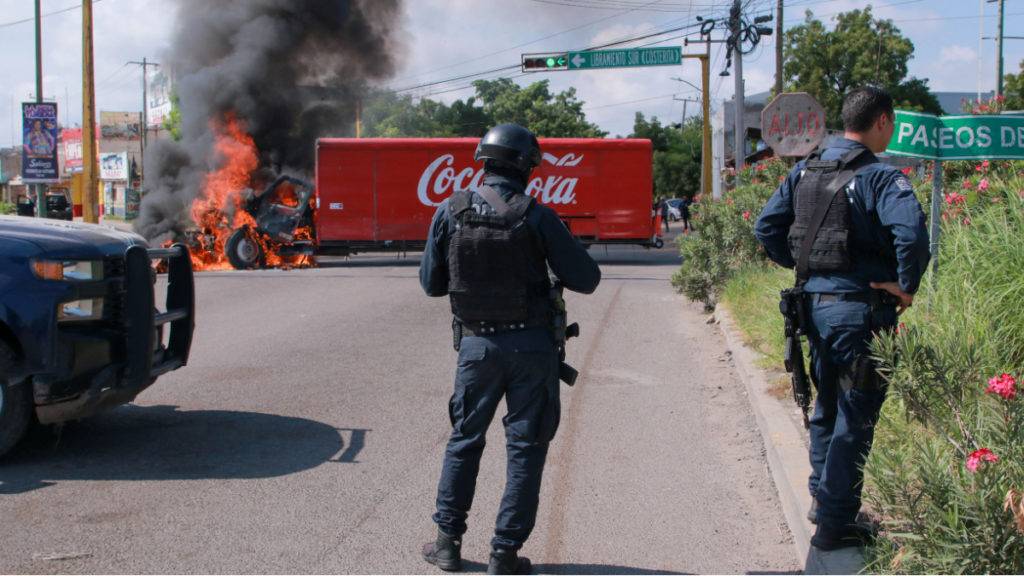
column 786, row 450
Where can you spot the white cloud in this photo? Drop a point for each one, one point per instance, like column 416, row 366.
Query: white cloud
column 956, row 53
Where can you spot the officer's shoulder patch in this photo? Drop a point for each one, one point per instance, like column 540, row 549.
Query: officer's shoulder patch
column 903, row 183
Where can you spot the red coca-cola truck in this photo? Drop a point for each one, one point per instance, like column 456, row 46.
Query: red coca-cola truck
column 380, row 193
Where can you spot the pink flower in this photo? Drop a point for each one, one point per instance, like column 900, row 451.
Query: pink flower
column 1004, row 385
column 967, row 221
column 983, row 185
column 978, row 456
column 978, row 168
column 746, row 214
column 729, row 202
column 760, row 167
column 967, row 185
column 955, row 198
column 907, row 171
column 901, row 328
column 984, row 164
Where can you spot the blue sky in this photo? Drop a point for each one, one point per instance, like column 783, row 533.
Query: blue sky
column 446, row 38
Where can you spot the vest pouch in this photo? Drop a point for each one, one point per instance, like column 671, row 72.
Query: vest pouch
column 830, row 251
column 495, row 306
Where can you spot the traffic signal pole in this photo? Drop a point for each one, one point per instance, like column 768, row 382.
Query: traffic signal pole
column 705, row 97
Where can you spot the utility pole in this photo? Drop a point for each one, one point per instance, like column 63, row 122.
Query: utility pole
column 740, row 144
column 685, row 101
column 39, row 188
column 778, row 48
column 999, row 51
column 90, row 200
column 145, row 117
column 705, row 97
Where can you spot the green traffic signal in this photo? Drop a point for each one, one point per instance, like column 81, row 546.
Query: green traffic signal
column 551, row 62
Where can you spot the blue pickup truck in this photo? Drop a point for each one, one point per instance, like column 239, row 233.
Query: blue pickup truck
column 80, row 328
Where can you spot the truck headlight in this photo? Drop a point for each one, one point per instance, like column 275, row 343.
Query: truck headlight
column 80, row 310
column 75, row 270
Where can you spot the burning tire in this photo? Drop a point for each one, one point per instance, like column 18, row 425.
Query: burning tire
column 244, row 250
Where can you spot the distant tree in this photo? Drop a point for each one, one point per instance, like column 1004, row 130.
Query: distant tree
column 537, row 108
column 389, row 115
column 1013, row 89
column 172, row 123
column 677, row 155
column 860, row 50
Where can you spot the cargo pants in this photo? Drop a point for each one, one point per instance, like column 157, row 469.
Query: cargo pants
column 521, row 367
column 849, row 398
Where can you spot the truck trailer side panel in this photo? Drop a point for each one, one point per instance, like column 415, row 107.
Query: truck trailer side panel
column 386, row 190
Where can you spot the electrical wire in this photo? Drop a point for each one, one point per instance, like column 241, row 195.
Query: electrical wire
column 48, row 14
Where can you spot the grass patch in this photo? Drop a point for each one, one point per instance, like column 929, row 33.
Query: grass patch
column 752, row 297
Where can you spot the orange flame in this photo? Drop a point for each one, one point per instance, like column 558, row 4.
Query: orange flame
column 218, row 211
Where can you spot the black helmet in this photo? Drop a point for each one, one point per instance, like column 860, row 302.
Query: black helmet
column 510, row 145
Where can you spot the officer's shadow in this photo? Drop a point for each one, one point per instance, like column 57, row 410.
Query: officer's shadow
column 571, row 568
column 162, row 443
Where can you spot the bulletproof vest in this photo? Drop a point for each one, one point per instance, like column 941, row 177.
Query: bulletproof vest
column 822, row 210
column 497, row 271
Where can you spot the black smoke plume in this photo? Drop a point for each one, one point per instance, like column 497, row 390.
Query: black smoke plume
column 290, row 70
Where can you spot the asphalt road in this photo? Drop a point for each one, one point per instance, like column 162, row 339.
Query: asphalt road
column 306, row 435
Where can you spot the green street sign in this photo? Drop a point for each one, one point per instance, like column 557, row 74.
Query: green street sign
column 957, row 137
column 625, row 58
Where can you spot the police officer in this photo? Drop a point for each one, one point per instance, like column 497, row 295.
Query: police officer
column 865, row 252
column 490, row 251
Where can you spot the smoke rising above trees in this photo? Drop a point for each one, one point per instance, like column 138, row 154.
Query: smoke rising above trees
column 289, row 70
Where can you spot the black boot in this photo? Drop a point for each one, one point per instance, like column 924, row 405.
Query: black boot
column 507, row 561
column 849, row 536
column 445, row 552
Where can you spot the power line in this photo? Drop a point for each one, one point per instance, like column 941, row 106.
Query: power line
column 548, row 37
column 516, row 66
column 54, row 13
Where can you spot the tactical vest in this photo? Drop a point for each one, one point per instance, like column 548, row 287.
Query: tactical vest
column 497, row 270
column 822, row 210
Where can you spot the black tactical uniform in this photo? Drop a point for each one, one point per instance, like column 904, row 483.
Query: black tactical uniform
column 490, row 251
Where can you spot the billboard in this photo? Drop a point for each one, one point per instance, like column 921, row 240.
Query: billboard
column 158, row 99
column 71, row 140
column 39, row 142
column 120, row 125
column 114, row 166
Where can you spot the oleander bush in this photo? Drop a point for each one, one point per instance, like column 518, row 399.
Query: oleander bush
column 947, row 472
column 724, row 241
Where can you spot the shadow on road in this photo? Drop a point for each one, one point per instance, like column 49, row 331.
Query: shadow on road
column 162, row 443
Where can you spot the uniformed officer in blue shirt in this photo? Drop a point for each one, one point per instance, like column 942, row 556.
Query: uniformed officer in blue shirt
column 886, row 250
column 491, row 250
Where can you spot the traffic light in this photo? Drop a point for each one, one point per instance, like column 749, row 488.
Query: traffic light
column 545, row 62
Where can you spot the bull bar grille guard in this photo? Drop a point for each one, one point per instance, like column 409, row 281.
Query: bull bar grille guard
column 143, row 319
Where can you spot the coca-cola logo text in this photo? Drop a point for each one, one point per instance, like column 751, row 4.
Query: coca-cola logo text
column 441, row 179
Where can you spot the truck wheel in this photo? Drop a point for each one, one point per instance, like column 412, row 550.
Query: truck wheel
column 243, row 251
column 15, row 404
column 659, row 243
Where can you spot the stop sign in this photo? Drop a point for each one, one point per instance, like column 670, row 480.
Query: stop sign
column 793, row 124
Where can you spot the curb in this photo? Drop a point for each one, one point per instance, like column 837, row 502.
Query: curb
column 786, row 452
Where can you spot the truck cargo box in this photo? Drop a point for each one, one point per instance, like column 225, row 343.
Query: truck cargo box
column 383, row 192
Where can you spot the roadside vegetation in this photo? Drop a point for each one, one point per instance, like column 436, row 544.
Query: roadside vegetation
column 7, row 208
column 946, row 476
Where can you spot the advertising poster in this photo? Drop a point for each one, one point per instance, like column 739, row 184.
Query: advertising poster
column 71, row 140
column 39, row 142
column 158, row 105
column 131, row 204
column 114, row 166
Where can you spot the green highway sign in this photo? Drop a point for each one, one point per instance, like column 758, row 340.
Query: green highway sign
column 593, row 59
column 957, row 137
column 626, row 58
